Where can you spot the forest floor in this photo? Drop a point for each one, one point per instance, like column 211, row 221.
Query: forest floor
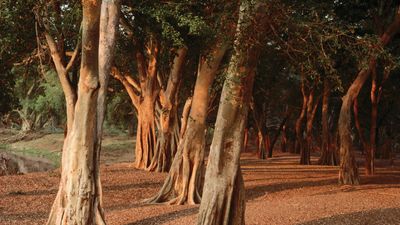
column 278, row 192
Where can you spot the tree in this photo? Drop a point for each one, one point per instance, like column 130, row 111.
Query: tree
column 183, row 184
column 79, row 198
column 223, row 200
column 328, row 156
column 348, row 173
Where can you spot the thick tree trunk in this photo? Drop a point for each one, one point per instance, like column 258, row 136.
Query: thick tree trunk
column 78, row 200
column 145, row 133
column 329, row 156
column 223, row 199
column 183, row 184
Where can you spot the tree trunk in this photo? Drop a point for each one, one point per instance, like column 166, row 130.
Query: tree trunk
column 299, row 144
column 280, row 129
column 223, row 199
column 78, row 200
column 284, row 139
column 183, row 184
column 348, row 173
column 145, row 133
column 168, row 135
column 363, row 142
column 370, row 159
column 329, row 156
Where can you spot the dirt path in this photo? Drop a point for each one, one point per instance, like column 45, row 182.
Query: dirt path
column 278, row 192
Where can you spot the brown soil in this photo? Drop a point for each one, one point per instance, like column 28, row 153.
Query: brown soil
column 278, row 192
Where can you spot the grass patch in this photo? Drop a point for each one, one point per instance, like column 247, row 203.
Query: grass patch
column 53, row 157
column 117, row 146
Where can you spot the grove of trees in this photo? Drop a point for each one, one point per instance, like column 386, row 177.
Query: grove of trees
column 195, row 83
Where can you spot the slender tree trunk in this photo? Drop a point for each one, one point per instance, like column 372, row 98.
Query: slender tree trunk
column 329, row 156
column 299, row 144
column 183, row 184
column 363, row 142
column 78, row 200
column 280, row 129
column 223, row 199
column 370, row 159
column 284, row 139
column 348, row 173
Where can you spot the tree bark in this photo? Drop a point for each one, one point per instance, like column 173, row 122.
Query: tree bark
column 78, row 200
column 329, row 156
column 183, row 184
column 223, row 199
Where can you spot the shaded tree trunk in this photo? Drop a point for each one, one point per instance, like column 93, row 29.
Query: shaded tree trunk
column 280, row 129
column 305, row 153
column 223, row 199
column 363, row 142
column 329, row 156
column 299, row 144
column 78, row 200
column 284, row 139
column 183, row 184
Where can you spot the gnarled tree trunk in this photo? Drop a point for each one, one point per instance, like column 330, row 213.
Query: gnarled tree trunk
column 183, row 184
column 168, row 135
column 223, row 200
column 78, row 200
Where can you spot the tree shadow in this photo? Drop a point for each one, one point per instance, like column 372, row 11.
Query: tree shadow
column 132, row 186
column 388, row 216
column 258, row 191
column 159, row 219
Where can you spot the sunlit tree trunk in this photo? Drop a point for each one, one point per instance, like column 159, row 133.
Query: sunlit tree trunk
column 78, row 200
column 183, row 184
column 168, row 135
column 223, row 200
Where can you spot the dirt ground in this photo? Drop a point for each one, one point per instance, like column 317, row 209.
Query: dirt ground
column 278, row 192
